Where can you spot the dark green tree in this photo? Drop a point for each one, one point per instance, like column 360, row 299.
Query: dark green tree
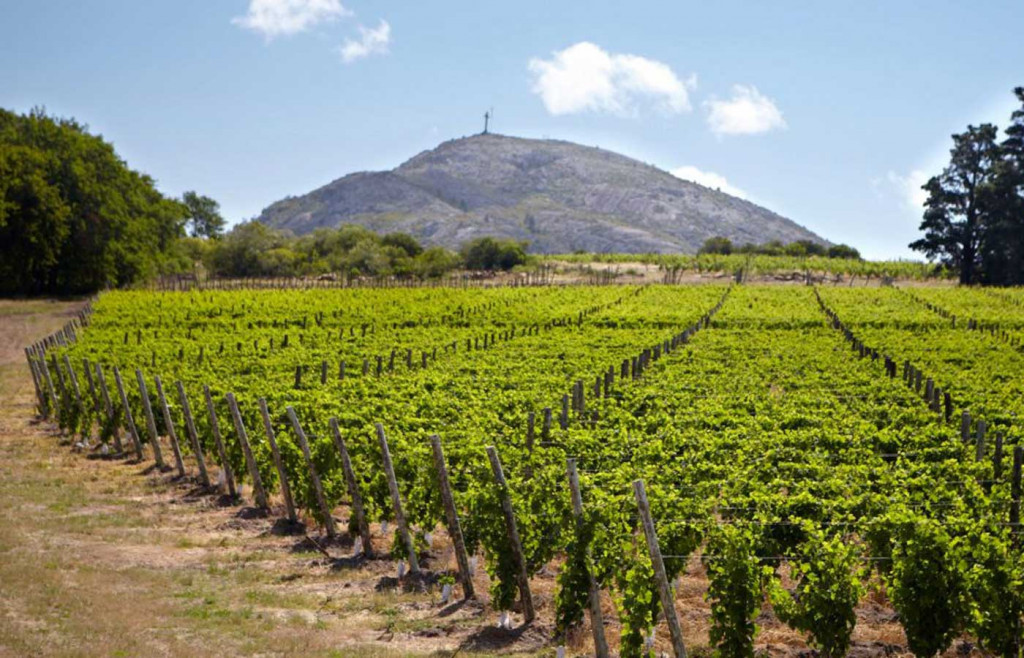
column 716, row 245
column 242, row 252
column 255, row 249
column 492, row 254
column 801, row 248
column 204, row 218
column 1003, row 245
column 960, row 203
column 73, row 217
column 436, row 261
column 843, row 251
column 403, row 241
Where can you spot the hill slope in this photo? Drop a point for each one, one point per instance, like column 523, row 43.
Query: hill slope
column 559, row 196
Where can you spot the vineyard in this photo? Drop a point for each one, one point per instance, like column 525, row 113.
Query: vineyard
column 803, row 450
column 761, row 265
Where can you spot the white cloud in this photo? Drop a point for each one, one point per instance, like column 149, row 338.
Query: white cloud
column 274, row 18
column 708, row 179
column 372, row 41
column 584, row 77
column 908, row 187
column 748, row 112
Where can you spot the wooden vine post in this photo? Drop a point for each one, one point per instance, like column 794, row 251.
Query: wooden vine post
column 147, row 410
column 314, row 476
column 530, row 438
column 169, row 424
column 45, row 370
column 128, row 418
column 513, row 535
column 1018, row 457
column 396, row 500
column 222, row 454
column 454, row 528
column 85, row 431
column 282, row 475
column 62, row 391
column 997, row 458
column 49, row 395
column 43, row 411
column 259, row 494
column 668, row 605
column 352, row 484
column 101, row 381
column 193, row 436
column 596, row 617
column 97, row 402
column 76, row 391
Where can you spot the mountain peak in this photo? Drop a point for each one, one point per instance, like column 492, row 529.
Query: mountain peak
column 557, row 195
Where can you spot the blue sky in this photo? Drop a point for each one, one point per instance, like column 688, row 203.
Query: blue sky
column 830, row 113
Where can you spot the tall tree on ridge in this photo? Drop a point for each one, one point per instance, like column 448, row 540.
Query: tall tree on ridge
column 960, row 203
column 204, row 218
column 1003, row 248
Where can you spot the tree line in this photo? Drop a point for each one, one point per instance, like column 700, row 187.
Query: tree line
column 799, row 248
column 75, row 218
column 253, row 249
column 973, row 221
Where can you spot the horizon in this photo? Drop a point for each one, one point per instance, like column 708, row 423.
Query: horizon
column 789, row 110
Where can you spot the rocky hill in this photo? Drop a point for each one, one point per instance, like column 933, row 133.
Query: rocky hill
column 557, row 195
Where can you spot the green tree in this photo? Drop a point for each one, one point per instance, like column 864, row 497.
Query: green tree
column 802, row 248
column 73, row 217
column 1002, row 249
column 351, row 234
column 493, row 254
column 843, row 251
column 204, row 218
column 403, row 241
column 34, row 221
column 959, row 206
column 435, row 262
column 254, row 249
column 241, row 251
column 716, row 245
column 368, row 256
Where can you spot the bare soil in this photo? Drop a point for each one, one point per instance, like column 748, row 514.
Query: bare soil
column 107, row 557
